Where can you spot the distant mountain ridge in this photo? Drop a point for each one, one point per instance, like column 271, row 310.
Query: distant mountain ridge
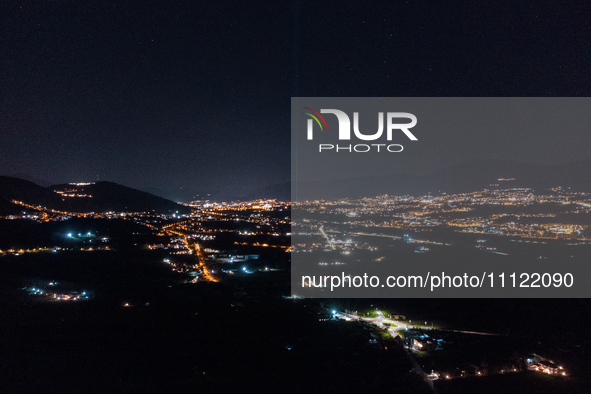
column 469, row 176
column 106, row 196
column 31, row 178
column 464, row 177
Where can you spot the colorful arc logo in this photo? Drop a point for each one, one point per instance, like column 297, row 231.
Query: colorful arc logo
column 316, row 118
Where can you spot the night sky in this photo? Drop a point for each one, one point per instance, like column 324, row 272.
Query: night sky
column 157, row 95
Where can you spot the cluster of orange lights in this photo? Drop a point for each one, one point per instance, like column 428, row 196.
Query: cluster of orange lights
column 261, row 245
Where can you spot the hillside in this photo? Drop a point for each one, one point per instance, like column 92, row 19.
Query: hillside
column 95, row 197
column 26, row 191
column 110, row 196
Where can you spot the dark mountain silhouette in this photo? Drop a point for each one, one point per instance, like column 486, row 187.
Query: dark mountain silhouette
column 106, row 196
column 32, row 178
column 28, row 192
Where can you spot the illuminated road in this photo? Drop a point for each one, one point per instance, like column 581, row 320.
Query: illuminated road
column 207, row 275
column 325, row 236
column 392, row 330
column 196, row 251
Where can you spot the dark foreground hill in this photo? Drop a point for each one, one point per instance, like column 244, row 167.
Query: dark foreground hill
column 93, row 197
